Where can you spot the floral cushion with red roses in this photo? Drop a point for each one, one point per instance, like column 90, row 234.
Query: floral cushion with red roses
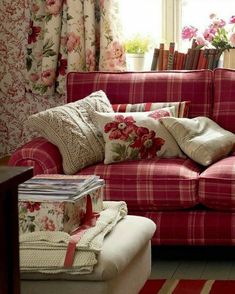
column 137, row 135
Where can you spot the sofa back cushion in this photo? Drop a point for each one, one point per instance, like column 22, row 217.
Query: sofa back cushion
column 224, row 98
column 139, row 87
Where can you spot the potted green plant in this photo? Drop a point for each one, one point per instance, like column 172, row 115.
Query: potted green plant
column 136, row 49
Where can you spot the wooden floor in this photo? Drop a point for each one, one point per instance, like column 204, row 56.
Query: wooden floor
column 195, row 263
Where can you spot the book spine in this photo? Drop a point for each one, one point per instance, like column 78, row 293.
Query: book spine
column 189, row 58
column 202, row 62
column 161, row 50
column 179, row 64
column 211, row 57
column 175, row 59
column 187, row 61
column 196, row 58
column 217, row 57
column 155, row 59
column 206, row 54
column 170, row 62
column 165, row 59
column 183, row 60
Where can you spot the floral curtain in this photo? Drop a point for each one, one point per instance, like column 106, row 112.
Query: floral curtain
column 71, row 35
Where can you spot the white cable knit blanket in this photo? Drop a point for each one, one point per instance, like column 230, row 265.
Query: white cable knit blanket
column 45, row 251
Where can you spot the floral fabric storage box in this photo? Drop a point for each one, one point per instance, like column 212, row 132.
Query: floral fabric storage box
column 51, row 203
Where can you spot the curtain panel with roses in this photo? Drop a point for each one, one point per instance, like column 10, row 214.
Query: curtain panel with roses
column 71, row 35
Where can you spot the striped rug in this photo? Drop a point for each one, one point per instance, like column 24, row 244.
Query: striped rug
column 188, row 287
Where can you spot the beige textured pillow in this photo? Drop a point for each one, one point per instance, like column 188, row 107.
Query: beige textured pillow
column 200, row 138
column 137, row 135
column 72, row 129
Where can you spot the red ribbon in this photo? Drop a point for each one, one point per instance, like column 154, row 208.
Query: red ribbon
column 88, row 221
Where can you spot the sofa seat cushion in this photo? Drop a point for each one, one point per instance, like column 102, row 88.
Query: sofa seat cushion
column 156, row 184
column 217, row 185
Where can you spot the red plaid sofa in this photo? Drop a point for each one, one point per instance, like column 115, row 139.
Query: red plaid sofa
column 190, row 204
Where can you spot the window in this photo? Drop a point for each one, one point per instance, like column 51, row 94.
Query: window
column 140, row 17
column 155, row 18
column 163, row 20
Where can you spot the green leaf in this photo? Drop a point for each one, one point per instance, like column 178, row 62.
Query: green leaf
column 48, row 17
column 137, row 44
column 49, row 53
column 41, row 88
column 69, row 17
column 134, row 154
column 31, row 227
column 23, row 209
column 48, row 44
column 29, row 51
column 116, row 158
column 118, row 148
column 28, row 63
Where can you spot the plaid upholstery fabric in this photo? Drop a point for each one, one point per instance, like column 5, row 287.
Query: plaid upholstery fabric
column 217, row 185
column 196, row 227
column 139, row 87
column 224, row 98
column 41, row 154
column 165, row 184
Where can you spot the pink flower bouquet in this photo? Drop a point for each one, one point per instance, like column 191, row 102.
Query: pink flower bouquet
column 218, row 34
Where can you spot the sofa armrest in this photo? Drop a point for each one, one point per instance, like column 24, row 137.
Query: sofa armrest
column 39, row 153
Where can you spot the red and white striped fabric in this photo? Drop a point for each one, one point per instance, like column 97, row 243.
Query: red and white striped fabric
column 224, row 98
column 140, row 87
column 182, row 108
column 175, row 286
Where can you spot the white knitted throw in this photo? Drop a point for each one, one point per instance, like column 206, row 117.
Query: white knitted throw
column 45, row 251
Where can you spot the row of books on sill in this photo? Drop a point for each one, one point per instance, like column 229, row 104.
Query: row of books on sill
column 57, row 202
column 195, row 58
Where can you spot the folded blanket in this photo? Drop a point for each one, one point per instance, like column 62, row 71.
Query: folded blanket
column 45, row 251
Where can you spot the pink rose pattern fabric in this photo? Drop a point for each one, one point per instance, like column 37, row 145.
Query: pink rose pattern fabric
column 65, row 36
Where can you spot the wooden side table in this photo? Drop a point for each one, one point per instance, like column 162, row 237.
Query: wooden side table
column 10, row 178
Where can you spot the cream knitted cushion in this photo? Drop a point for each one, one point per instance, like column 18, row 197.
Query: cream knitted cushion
column 72, row 129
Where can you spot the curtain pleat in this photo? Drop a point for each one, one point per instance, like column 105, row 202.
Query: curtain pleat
column 72, row 35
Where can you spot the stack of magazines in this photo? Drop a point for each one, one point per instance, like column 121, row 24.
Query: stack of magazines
column 58, row 187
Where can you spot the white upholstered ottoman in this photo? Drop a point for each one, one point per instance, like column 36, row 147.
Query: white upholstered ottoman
column 124, row 265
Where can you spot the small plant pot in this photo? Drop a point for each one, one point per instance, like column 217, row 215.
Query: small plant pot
column 135, row 62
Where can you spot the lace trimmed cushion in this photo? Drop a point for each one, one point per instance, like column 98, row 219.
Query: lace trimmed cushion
column 72, row 129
